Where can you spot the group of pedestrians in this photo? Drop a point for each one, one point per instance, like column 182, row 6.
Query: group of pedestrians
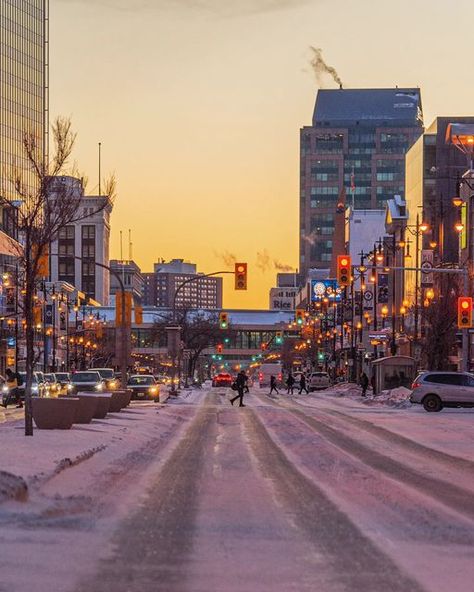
column 291, row 384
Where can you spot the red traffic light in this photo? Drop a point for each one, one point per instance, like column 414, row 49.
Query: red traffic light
column 240, row 272
column 344, row 272
column 464, row 312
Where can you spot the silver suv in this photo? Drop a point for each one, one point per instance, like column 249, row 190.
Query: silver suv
column 435, row 390
column 318, row 381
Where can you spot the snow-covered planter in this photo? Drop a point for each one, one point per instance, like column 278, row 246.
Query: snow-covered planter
column 86, row 408
column 55, row 414
column 102, row 403
column 116, row 401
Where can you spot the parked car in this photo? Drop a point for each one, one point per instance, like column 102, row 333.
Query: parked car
column 38, row 387
column 435, row 390
column 318, row 381
column 64, row 379
column 108, row 375
column 88, row 381
column 222, row 379
column 52, row 385
column 144, row 386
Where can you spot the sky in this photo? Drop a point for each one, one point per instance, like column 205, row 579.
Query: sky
column 198, row 106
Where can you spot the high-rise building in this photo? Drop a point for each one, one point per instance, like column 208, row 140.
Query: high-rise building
column 434, row 168
column 84, row 243
column 161, row 285
column 353, row 152
column 24, row 92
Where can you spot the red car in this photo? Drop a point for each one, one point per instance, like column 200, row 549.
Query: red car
column 222, row 379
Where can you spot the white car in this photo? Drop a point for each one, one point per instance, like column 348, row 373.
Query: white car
column 318, row 381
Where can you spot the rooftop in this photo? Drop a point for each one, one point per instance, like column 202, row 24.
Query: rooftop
column 386, row 106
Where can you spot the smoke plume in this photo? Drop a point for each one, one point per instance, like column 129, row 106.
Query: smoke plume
column 320, row 67
column 264, row 262
column 229, row 259
column 282, row 266
column 309, row 238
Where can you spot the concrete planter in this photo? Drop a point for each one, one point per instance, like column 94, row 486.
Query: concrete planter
column 116, row 400
column 125, row 397
column 102, row 404
column 86, row 408
column 54, row 414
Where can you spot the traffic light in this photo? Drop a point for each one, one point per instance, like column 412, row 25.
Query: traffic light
column 464, row 312
column 299, row 316
column 219, row 348
column 279, row 337
column 223, row 320
column 263, row 346
column 344, row 270
column 240, row 276
column 321, row 356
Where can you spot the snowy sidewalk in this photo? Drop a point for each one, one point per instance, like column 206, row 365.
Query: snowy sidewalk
column 36, row 459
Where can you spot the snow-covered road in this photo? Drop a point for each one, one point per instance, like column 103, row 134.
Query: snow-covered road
column 312, row 493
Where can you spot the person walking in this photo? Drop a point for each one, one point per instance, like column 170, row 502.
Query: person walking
column 303, row 386
column 12, row 380
column 240, row 383
column 364, row 383
column 246, row 386
column 290, row 383
column 273, row 385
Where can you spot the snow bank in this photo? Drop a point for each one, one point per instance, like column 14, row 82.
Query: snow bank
column 398, row 397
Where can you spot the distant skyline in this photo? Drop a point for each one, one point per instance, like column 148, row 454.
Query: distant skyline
column 198, row 106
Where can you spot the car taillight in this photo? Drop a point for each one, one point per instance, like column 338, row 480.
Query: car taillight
column 415, row 385
column 260, row 375
column 279, row 376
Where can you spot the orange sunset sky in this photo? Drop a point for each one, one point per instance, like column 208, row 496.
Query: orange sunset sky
column 198, row 107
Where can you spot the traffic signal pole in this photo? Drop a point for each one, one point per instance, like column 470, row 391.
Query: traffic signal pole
column 465, row 275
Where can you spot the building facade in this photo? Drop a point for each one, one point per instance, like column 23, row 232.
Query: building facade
column 131, row 277
column 354, row 151
column 82, row 245
column 160, row 286
column 434, row 169
column 24, row 92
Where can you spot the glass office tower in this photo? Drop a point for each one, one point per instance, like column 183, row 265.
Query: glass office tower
column 24, row 88
column 353, row 152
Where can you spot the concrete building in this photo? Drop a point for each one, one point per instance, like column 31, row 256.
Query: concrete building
column 434, row 168
column 161, row 285
column 365, row 229
column 131, row 276
column 282, row 297
column 81, row 245
column 355, row 147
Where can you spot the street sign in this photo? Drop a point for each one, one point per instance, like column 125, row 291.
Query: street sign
column 426, row 266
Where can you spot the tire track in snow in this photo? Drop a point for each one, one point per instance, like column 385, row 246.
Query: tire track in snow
column 356, row 561
column 452, row 496
column 425, row 452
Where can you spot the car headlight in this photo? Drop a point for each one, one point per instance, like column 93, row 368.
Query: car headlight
column 98, row 387
column 70, row 387
column 5, row 389
column 113, row 384
column 153, row 390
column 34, row 388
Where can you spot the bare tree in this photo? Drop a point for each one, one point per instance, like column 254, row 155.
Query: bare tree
column 439, row 319
column 42, row 208
column 199, row 331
